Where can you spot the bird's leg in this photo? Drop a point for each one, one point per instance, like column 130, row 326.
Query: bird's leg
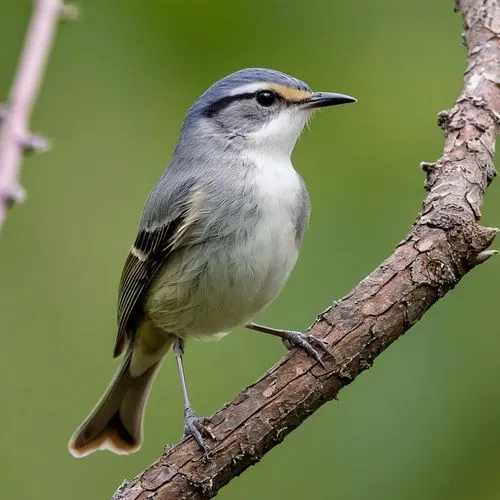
column 293, row 339
column 192, row 423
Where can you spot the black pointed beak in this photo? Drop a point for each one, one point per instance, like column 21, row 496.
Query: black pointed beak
column 323, row 99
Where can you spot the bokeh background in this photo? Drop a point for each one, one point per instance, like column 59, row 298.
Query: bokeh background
column 423, row 423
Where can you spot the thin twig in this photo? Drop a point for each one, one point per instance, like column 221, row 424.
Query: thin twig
column 15, row 138
column 445, row 243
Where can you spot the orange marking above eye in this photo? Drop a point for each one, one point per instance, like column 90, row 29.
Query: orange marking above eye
column 290, row 94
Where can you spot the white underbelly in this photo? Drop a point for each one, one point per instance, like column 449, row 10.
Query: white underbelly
column 217, row 286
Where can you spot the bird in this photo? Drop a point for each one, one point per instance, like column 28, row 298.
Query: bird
column 219, row 235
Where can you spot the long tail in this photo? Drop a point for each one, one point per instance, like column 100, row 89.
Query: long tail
column 116, row 421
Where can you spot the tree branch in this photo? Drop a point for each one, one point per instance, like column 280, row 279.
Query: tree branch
column 444, row 244
column 15, row 138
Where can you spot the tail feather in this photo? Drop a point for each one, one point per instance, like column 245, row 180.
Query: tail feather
column 116, row 421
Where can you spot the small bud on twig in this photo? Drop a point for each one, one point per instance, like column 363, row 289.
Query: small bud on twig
column 36, row 143
column 17, row 194
column 69, row 12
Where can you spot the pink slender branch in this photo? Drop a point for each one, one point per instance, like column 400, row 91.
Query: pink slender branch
column 15, row 138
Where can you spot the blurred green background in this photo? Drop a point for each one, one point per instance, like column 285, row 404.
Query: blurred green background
column 423, row 423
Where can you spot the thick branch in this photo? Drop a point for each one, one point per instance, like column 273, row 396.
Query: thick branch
column 15, row 137
column 445, row 243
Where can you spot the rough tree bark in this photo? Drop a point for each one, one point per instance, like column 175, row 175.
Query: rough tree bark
column 15, row 138
column 444, row 244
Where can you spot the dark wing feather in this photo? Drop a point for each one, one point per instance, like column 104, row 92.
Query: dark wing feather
column 148, row 254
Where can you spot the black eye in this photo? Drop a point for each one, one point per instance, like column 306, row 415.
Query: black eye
column 265, row 98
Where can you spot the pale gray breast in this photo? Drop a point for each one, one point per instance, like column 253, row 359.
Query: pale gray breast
column 282, row 195
column 303, row 209
column 237, row 254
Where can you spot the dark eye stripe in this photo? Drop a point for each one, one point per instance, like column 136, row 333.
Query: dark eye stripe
column 217, row 106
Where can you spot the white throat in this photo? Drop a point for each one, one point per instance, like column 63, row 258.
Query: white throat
column 277, row 138
column 275, row 179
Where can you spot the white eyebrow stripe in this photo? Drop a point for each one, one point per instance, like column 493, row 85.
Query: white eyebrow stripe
column 249, row 88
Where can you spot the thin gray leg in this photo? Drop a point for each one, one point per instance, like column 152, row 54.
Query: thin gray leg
column 293, row 339
column 192, row 423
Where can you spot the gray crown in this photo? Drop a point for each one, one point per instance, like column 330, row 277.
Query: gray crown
column 221, row 89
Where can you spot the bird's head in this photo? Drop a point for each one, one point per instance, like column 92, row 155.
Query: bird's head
column 260, row 109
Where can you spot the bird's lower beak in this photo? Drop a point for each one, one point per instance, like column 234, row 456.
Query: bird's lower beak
column 323, row 99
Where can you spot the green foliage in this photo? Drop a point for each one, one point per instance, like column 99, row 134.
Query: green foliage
column 423, row 423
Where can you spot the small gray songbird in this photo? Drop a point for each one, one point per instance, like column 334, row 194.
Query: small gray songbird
column 219, row 236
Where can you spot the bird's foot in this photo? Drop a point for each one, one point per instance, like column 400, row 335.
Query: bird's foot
column 306, row 342
column 194, row 426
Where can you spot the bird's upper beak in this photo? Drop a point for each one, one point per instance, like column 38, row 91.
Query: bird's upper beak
column 323, row 99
